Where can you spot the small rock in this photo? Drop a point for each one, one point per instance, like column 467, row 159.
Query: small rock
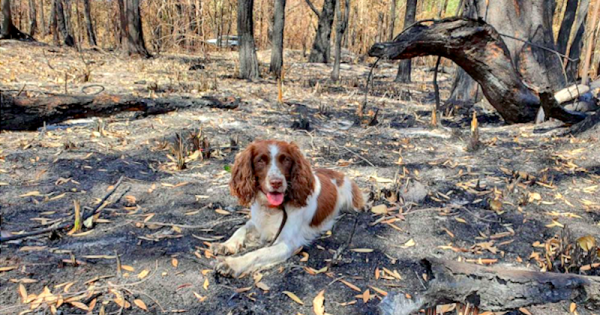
column 414, row 191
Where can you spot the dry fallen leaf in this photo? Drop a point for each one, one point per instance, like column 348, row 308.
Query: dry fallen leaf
column 22, row 292
column 409, row 243
column 206, row 283
column 200, row 297
column 143, row 274
column 293, row 297
column 80, row 305
column 175, row 262
column 572, row 307
column 350, row 285
column 587, row 242
column 127, row 268
column 380, row 209
column 139, row 303
column 524, row 311
column 318, row 303
column 8, row 268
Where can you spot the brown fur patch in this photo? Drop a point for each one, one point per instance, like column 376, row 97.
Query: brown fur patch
column 302, row 181
column 326, row 200
column 357, row 197
column 337, row 176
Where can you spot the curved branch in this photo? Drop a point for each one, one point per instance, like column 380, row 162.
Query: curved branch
column 478, row 49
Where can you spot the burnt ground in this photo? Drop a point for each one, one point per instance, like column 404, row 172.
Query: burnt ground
column 162, row 226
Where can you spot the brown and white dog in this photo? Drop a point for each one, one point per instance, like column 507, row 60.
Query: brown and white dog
column 272, row 176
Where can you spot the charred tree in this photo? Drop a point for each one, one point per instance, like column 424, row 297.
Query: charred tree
column 478, row 49
column 339, row 35
column 405, row 67
column 572, row 65
column 32, row 18
column 245, row 28
column 91, row 34
column 7, row 29
column 277, row 38
column 42, row 19
column 564, row 33
column 132, row 35
column 61, row 23
column 321, row 49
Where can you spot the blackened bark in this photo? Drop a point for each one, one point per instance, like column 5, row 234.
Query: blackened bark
column 340, row 31
column 32, row 18
column 572, row 67
column 132, row 36
column 480, row 50
column 61, row 22
column 91, row 34
column 405, row 67
column 277, row 38
column 562, row 41
column 53, row 23
column 321, row 49
column 7, row 29
column 245, row 28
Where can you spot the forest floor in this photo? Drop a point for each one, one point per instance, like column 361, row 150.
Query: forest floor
column 500, row 205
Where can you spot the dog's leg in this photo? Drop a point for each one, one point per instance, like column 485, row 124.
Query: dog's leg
column 235, row 242
column 258, row 259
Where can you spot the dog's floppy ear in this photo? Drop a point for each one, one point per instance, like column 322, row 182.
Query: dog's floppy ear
column 243, row 181
column 302, row 180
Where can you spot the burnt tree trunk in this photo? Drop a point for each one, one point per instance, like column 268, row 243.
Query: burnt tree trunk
column 321, row 49
column 527, row 20
column 478, row 49
column 493, row 289
column 30, row 113
column 277, row 38
column 132, row 35
column 405, row 67
column 91, row 34
column 61, row 22
column 32, row 18
column 245, row 28
column 564, row 33
column 572, row 67
column 339, row 35
column 53, row 23
column 7, row 29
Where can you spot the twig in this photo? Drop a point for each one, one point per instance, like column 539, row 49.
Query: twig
column 184, row 226
column 64, row 225
column 343, row 247
column 356, row 154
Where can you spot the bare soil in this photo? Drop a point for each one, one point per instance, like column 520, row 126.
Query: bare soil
column 167, row 217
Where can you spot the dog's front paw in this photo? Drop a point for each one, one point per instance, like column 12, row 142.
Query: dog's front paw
column 229, row 267
column 223, row 249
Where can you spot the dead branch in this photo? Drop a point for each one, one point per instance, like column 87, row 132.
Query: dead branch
column 477, row 48
column 29, row 113
column 493, row 289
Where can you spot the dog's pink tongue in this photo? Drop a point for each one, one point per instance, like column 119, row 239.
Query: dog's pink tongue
column 275, row 199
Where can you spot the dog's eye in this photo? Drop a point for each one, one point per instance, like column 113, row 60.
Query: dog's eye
column 285, row 159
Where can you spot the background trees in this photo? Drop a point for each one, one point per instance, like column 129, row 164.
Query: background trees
column 184, row 26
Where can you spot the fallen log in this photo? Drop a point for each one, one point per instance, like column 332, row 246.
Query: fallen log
column 493, row 289
column 478, row 49
column 29, row 113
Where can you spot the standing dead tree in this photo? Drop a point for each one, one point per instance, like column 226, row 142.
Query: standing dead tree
column 132, row 35
column 7, row 29
column 91, row 34
column 245, row 27
column 405, row 67
column 339, row 35
column 32, row 18
column 61, row 17
column 321, row 49
column 277, row 38
column 478, row 49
